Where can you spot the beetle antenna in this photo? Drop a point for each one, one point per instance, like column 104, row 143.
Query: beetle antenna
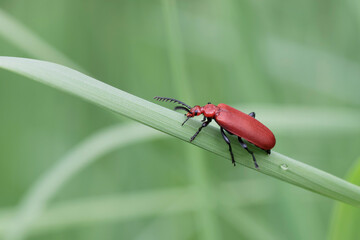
column 172, row 100
column 185, row 121
column 183, row 108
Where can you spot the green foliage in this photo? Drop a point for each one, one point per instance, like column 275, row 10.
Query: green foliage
column 345, row 217
column 167, row 121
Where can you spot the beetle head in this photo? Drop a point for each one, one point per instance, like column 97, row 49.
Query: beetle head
column 193, row 112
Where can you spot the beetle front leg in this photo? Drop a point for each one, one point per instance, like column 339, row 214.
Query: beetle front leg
column 247, row 149
column 228, row 142
column 202, row 126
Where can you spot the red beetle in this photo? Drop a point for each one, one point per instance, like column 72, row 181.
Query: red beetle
column 232, row 121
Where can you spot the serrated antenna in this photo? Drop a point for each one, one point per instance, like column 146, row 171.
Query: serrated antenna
column 164, row 99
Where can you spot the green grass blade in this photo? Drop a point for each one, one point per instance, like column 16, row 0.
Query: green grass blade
column 26, row 40
column 168, row 121
column 345, row 220
column 136, row 205
column 41, row 192
column 35, row 203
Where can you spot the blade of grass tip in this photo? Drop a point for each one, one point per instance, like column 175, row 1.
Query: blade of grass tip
column 345, row 220
column 26, row 40
column 168, row 121
column 47, row 185
column 205, row 218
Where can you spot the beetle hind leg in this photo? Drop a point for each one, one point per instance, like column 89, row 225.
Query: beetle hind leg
column 247, row 149
column 228, row 142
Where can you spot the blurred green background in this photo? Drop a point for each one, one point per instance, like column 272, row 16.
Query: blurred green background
column 294, row 63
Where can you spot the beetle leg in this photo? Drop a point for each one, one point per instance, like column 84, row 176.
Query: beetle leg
column 252, row 114
column 202, row 126
column 247, row 149
column 204, row 119
column 228, row 142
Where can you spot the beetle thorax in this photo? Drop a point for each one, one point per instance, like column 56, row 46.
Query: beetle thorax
column 209, row 110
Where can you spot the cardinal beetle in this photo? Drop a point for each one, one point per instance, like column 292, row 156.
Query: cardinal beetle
column 232, row 121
